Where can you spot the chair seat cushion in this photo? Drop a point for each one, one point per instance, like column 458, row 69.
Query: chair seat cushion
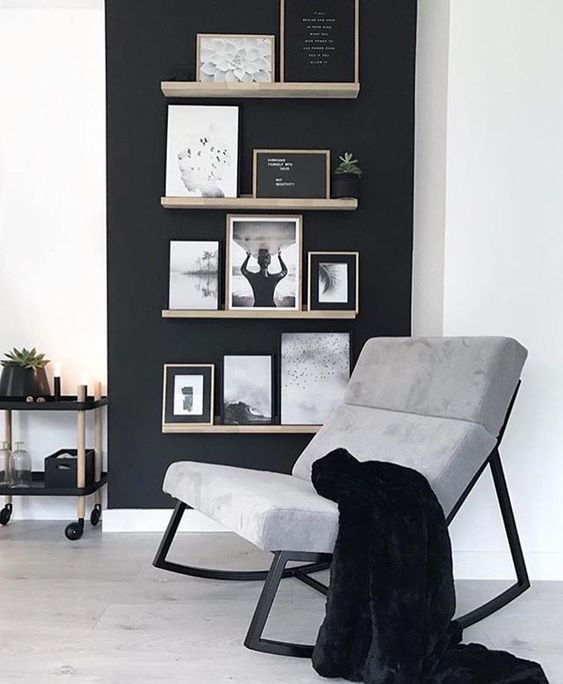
column 273, row 511
column 446, row 451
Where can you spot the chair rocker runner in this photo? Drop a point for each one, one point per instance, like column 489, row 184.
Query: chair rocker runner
column 439, row 405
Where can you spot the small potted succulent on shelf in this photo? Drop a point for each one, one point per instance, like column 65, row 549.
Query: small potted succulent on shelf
column 23, row 374
column 346, row 179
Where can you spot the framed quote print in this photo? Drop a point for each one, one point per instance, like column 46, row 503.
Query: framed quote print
column 333, row 279
column 187, row 395
column 303, row 174
column 320, row 41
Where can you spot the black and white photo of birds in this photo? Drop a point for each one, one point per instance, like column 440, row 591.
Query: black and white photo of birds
column 202, row 151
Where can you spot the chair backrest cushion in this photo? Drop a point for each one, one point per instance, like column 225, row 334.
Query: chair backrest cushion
column 467, row 378
column 433, row 404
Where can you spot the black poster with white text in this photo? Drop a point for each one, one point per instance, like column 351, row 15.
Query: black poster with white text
column 320, row 41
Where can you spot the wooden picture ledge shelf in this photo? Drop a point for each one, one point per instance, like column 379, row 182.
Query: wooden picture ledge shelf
column 251, row 313
column 243, row 429
column 258, row 204
column 335, row 91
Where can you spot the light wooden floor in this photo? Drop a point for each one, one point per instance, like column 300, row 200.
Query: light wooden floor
column 97, row 611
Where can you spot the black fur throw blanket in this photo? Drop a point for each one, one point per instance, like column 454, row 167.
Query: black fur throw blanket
column 391, row 598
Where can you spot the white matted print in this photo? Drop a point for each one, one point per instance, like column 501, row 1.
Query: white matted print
column 232, row 58
column 188, row 395
column 194, row 275
column 315, row 369
column 202, row 151
column 333, row 283
column 264, row 262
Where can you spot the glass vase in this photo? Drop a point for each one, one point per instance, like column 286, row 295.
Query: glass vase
column 20, row 467
column 4, row 464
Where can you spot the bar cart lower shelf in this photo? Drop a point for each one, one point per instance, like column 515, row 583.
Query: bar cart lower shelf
column 81, row 404
column 75, row 529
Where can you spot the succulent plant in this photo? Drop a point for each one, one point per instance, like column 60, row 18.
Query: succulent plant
column 24, row 358
column 348, row 165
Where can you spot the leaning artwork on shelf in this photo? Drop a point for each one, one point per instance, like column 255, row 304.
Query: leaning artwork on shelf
column 187, row 396
column 194, row 275
column 263, row 265
column 235, row 58
column 202, row 151
column 333, row 281
column 315, row 369
column 247, row 389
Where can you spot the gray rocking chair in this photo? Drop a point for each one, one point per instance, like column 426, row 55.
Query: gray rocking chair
column 439, row 405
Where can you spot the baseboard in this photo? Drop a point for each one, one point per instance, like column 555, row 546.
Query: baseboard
column 155, row 520
column 498, row 565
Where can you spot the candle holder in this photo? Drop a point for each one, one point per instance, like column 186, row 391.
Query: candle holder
column 57, row 388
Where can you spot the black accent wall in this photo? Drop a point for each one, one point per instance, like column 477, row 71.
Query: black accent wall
column 146, row 41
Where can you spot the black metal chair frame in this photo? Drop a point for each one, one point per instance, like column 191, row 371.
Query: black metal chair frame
column 315, row 562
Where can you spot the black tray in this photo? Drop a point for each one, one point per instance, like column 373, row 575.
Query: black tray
column 38, row 488
column 65, row 403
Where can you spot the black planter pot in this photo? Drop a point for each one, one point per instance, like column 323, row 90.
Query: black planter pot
column 345, row 186
column 24, row 382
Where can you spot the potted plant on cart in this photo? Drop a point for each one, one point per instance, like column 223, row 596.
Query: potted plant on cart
column 346, row 179
column 23, row 374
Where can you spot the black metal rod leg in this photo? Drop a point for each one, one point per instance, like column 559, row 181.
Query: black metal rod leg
column 160, row 560
column 523, row 581
column 254, row 640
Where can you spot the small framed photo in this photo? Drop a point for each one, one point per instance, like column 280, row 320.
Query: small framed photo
column 320, row 41
column 263, row 263
column 315, row 369
column 194, row 275
column 333, row 281
column 235, row 58
column 248, row 389
column 202, row 151
column 188, row 394
column 291, row 173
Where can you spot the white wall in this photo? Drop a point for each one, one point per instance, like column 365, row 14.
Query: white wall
column 503, row 259
column 52, row 204
column 432, row 50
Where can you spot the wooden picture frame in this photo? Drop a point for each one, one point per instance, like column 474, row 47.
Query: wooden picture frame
column 356, row 46
column 175, row 408
column 236, row 36
column 266, row 235
column 324, row 154
column 351, row 285
column 225, row 419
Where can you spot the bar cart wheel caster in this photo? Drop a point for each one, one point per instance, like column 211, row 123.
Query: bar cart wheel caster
column 6, row 514
column 74, row 530
column 96, row 515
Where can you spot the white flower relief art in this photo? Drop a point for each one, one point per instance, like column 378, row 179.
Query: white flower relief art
column 236, row 59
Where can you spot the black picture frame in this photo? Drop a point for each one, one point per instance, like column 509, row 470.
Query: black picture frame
column 280, row 361
column 273, row 392
column 170, row 417
column 320, row 41
column 293, row 174
column 352, row 261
